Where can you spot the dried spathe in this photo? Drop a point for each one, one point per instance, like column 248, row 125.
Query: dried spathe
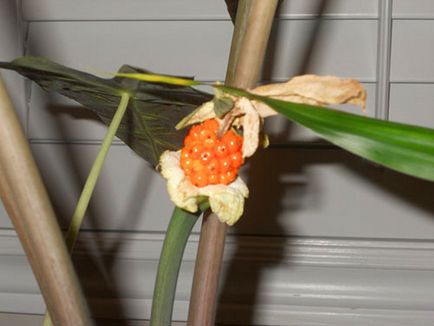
column 227, row 201
column 227, row 198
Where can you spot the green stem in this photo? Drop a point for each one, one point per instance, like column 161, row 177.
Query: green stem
column 178, row 231
column 83, row 202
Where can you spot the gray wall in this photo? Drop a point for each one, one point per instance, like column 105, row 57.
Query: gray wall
column 326, row 238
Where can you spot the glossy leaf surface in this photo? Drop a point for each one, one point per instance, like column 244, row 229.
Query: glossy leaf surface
column 404, row 148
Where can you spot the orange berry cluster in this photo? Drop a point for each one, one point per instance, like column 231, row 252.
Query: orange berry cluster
column 207, row 159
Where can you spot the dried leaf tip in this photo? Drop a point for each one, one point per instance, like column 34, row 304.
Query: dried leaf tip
column 314, row 90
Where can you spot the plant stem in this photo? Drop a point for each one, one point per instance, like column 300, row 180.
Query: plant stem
column 177, row 234
column 86, row 194
column 95, row 171
column 26, row 201
column 252, row 29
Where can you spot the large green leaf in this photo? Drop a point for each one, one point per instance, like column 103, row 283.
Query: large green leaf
column 148, row 126
column 405, row 148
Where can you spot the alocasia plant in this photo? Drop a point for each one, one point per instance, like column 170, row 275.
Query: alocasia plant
column 155, row 110
column 158, row 104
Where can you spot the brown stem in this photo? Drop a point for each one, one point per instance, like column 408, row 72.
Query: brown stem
column 249, row 42
column 30, row 210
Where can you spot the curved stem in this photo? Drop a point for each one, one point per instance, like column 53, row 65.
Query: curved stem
column 86, row 194
column 178, row 231
column 252, row 29
column 28, row 205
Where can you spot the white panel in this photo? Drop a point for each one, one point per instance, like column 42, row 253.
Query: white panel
column 125, row 10
column 11, row 47
column 129, row 194
column 412, row 103
column 186, row 9
column 343, row 48
column 413, row 9
column 314, row 193
column 325, row 192
column 334, row 51
column 20, row 320
column 10, row 38
column 273, row 276
column 334, row 8
column 412, row 51
column 187, row 48
column 160, row 46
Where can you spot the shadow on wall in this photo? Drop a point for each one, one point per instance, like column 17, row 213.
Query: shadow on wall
column 264, row 203
column 262, row 208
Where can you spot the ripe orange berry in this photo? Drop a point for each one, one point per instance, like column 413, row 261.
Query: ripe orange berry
column 206, row 134
column 195, row 149
column 197, row 166
column 207, row 159
column 194, row 132
column 213, row 179
column 185, row 154
column 221, row 150
column 213, row 166
column 206, row 156
column 199, row 179
column 187, row 163
column 210, row 142
column 228, row 177
column 188, row 171
column 232, row 141
column 225, row 164
column 211, row 124
column 237, row 159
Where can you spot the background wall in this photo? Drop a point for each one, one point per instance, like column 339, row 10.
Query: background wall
column 327, row 238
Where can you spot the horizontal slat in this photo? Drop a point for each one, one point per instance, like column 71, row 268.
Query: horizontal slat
column 274, row 275
column 316, row 192
column 180, row 48
column 11, row 33
column 184, row 10
column 412, row 103
column 412, row 51
column 414, row 9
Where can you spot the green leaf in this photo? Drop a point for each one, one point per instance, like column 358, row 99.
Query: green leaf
column 222, row 105
column 148, row 126
column 177, row 234
column 404, row 148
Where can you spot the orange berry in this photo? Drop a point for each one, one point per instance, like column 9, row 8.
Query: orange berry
column 194, row 132
column 188, row 171
column 211, row 124
column 227, row 177
column 199, row 179
column 232, row 141
column 213, row 166
column 237, row 159
column 206, row 134
column 185, row 154
column 187, row 163
column 195, row 150
column 213, row 179
column 188, row 140
column 210, row 142
column 225, row 164
column 197, row 166
column 206, row 156
column 206, row 159
column 221, row 150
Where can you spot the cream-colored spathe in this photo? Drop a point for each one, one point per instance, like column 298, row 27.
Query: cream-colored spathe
column 227, row 201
